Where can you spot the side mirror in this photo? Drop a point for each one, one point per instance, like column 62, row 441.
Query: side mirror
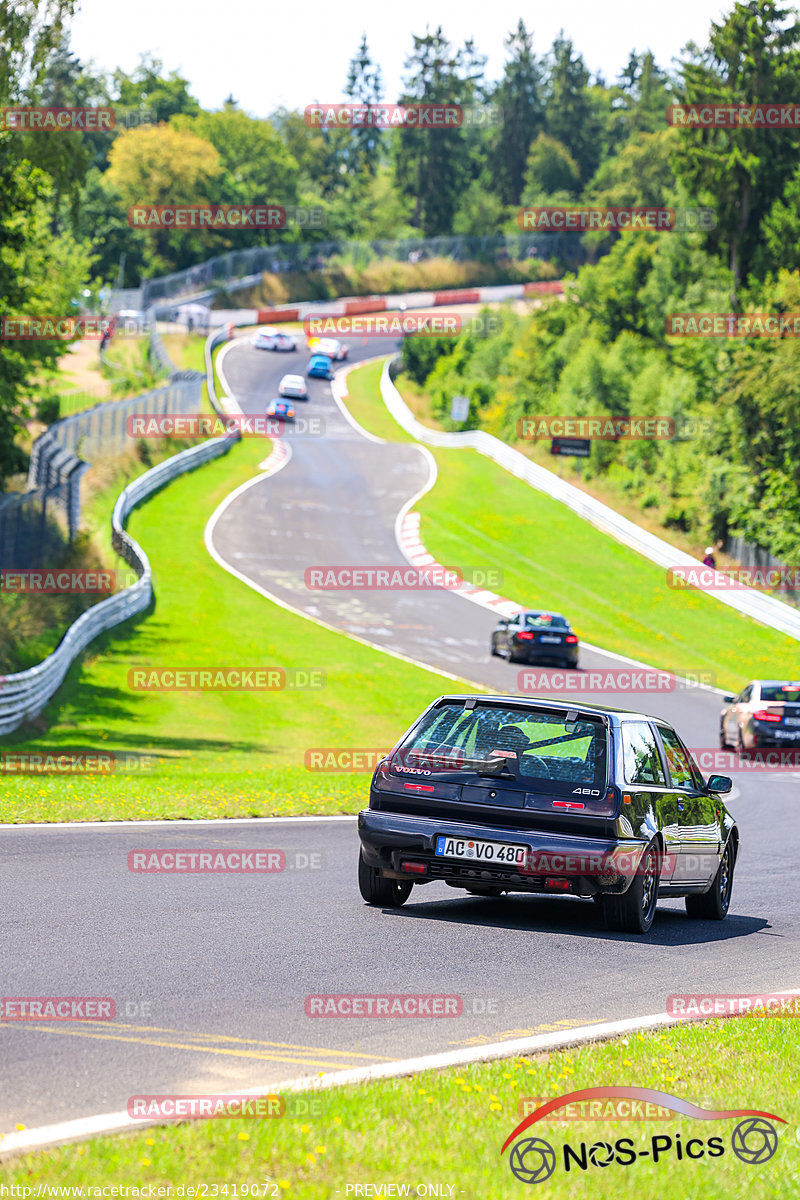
column 721, row 784
column 728, row 699
column 502, row 623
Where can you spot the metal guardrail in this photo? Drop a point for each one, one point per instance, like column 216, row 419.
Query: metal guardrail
column 24, row 694
column 766, row 609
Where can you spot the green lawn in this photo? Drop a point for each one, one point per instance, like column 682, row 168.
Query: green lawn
column 479, row 516
column 219, row 754
column 447, row 1127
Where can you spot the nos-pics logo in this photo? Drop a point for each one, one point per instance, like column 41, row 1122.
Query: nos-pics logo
column 533, row 1160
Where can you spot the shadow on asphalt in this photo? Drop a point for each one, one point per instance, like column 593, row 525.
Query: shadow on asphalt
column 581, row 918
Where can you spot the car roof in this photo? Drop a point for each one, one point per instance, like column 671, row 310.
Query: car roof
column 774, row 683
column 535, row 704
column 542, row 612
column 267, row 329
column 300, row 377
column 318, row 358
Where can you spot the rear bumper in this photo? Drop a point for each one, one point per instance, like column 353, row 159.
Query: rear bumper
column 566, row 655
column 389, row 838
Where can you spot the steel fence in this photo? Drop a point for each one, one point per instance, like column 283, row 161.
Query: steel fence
column 224, row 269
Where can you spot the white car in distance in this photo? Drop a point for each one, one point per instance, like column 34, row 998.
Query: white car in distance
column 294, row 386
column 270, row 338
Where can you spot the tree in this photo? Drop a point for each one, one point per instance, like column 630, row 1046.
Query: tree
column 255, row 165
column 149, row 88
column 518, row 95
column 570, row 115
column 550, row 168
column 39, row 273
column 752, row 56
column 432, row 165
column 365, row 86
column 162, row 165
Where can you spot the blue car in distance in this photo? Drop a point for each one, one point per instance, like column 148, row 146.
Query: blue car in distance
column 319, row 367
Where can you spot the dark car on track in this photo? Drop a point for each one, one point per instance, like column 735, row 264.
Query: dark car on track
column 536, row 637
column 765, row 713
column 496, row 794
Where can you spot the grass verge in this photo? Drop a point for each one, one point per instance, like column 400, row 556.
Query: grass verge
column 479, row 517
column 213, row 753
column 447, row 1127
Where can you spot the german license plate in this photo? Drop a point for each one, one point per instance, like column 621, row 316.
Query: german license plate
column 494, row 852
column 546, row 637
column 791, row 721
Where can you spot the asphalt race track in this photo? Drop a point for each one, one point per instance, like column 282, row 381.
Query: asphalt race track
column 210, row 973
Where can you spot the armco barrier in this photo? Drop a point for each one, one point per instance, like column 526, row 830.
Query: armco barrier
column 765, row 609
column 25, row 694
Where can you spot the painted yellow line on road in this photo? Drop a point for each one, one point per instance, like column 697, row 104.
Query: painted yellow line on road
column 224, row 1037
column 198, row 1049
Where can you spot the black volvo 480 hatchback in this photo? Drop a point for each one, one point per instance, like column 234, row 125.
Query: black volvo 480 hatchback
column 507, row 794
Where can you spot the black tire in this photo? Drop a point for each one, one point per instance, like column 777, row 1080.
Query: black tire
column 713, row 905
column 493, row 651
column 723, row 741
column 634, row 910
column 375, row 889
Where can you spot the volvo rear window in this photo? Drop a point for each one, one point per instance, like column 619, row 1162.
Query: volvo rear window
column 510, row 742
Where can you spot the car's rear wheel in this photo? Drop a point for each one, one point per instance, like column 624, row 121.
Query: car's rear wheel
column 634, row 910
column 375, row 889
column 713, row 905
column 494, row 649
column 723, row 741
